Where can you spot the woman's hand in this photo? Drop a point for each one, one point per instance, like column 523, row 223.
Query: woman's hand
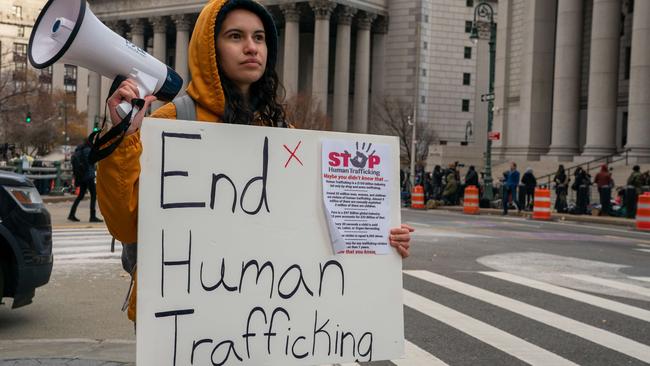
column 400, row 239
column 128, row 91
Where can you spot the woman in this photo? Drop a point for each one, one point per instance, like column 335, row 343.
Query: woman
column 232, row 53
column 530, row 183
column 561, row 181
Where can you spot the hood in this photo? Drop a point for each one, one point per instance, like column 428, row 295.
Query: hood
column 603, row 168
column 205, row 86
column 13, row 179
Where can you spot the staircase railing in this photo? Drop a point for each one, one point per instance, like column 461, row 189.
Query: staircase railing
column 587, row 166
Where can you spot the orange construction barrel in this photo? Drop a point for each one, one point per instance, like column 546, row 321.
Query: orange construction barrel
column 542, row 204
column 470, row 205
column 643, row 212
column 417, row 197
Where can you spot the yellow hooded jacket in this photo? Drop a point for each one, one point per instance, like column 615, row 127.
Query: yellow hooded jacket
column 118, row 174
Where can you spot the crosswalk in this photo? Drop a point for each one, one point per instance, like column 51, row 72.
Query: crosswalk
column 83, row 246
column 426, row 294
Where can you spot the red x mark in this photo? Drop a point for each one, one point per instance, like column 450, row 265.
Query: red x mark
column 293, row 154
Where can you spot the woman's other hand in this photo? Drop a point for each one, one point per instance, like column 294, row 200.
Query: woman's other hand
column 400, row 239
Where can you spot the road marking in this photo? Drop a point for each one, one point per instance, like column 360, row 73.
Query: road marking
column 596, row 335
column 416, row 356
column 66, row 243
column 644, row 279
column 107, row 254
column 495, row 337
column 643, row 291
column 79, row 249
column 643, row 250
column 412, row 223
column 600, row 302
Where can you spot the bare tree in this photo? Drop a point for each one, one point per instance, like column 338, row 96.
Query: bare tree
column 393, row 118
column 303, row 112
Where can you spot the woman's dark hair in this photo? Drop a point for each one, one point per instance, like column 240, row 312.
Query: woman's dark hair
column 265, row 95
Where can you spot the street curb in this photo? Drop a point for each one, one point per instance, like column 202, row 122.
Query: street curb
column 120, row 352
column 615, row 221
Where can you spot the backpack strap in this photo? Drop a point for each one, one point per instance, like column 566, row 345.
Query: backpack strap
column 185, row 108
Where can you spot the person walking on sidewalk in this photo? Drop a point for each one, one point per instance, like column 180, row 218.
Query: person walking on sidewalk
column 604, row 182
column 84, row 178
column 510, row 188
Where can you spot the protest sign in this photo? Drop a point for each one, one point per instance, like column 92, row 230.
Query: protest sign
column 235, row 262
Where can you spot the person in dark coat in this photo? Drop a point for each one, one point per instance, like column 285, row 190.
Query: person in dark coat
column 530, row 183
column 437, row 182
column 561, row 180
column 581, row 186
column 84, row 173
column 471, row 178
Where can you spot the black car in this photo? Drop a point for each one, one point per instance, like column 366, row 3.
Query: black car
column 25, row 239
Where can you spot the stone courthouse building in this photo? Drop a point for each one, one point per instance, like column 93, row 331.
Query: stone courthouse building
column 573, row 79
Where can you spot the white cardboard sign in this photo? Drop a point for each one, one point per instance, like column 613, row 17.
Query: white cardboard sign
column 235, row 262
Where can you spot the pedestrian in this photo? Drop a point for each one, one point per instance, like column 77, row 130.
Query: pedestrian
column 451, row 188
column 582, row 181
column 84, row 178
column 530, row 183
column 604, row 183
column 561, row 180
column 437, row 182
column 471, row 178
column 510, row 187
column 636, row 179
column 233, row 54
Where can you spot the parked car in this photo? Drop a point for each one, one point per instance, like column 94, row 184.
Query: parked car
column 25, row 239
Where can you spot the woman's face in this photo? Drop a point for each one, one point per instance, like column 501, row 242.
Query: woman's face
column 241, row 48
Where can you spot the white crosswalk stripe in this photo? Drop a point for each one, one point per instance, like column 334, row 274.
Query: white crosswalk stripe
column 83, row 246
column 596, row 335
column 643, row 291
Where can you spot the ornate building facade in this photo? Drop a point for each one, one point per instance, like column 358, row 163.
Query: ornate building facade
column 573, row 79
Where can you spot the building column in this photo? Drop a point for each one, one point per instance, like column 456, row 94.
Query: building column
column 291, row 63
column 603, row 78
column 137, row 31
column 94, row 99
column 532, row 137
column 362, row 73
column 566, row 90
column 501, row 82
column 639, row 105
column 378, row 76
column 183, row 24
column 159, row 46
column 342, row 69
column 322, row 11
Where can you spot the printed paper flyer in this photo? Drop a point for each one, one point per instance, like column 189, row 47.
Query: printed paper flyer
column 356, row 188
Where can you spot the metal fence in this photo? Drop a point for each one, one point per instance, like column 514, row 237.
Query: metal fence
column 54, row 180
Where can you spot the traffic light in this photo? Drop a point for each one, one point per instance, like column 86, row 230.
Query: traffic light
column 96, row 124
column 28, row 117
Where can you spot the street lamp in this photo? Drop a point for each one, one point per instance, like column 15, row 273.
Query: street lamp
column 483, row 11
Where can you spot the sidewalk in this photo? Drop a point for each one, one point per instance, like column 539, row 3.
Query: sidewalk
column 72, row 352
column 602, row 220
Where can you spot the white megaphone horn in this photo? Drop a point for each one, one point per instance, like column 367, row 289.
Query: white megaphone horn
column 67, row 31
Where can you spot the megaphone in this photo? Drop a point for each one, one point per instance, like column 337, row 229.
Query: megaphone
column 68, row 31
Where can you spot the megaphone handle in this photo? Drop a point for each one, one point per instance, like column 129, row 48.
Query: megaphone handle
column 123, row 109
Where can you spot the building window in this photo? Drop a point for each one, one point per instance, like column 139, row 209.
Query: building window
column 17, row 11
column 470, row 3
column 426, row 18
column 468, row 52
column 425, row 45
column 21, row 31
column 423, row 99
column 468, row 26
column 465, row 105
column 628, row 62
column 630, row 6
column 467, row 77
column 624, row 130
column 424, row 72
column 70, row 79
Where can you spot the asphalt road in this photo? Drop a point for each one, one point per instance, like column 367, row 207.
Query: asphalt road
column 477, row 291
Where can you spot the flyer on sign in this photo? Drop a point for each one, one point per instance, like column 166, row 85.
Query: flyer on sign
column 356, row 193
